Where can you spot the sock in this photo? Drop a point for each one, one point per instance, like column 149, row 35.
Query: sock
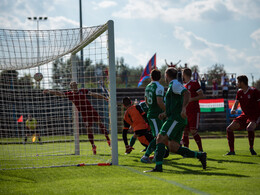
column 91, row 138
column 185, row 140
column 198, row 141
column 160, row 150
column 104, row 131
column 251, row 138
column 151, row 148
column 186, row 152
column 132, row 141
column 231, row 140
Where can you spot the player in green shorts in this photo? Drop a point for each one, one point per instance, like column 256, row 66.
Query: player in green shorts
column 154, row 93
column 177, row 99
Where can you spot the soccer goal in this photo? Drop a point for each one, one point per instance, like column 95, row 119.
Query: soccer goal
column 58, row 97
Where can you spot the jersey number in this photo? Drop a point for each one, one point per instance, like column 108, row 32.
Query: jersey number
column 150, row 98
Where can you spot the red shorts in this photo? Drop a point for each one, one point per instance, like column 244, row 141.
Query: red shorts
column 244, row 120
column 89, row 117
column 193, row 120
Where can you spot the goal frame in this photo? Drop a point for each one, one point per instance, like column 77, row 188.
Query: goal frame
column 109, row 27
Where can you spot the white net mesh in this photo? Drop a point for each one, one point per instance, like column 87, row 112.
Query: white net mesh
column 54, row 141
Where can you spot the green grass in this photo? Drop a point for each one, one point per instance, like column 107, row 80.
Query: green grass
column 238, row 174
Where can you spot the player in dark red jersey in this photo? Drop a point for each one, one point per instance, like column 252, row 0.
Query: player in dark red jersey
column 193, row 109
column 249, row 99
column 88, row 113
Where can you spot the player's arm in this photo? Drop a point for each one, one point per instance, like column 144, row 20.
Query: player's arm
column 124, row 133
column 166, row 62
column 198, row 97
column 160, row 102
column 98, row 96
column 234, row 107
column 186, row 99
column 54, row 92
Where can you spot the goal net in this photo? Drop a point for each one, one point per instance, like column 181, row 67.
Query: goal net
column 64, row 115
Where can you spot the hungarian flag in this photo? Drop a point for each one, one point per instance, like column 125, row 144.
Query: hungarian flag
column 20, row 120
column 212, row 105
column 149, row 67
column 238, row 111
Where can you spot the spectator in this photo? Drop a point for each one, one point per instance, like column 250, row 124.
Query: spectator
column 223, row 78
column 233, row 81
column 203, row 85
column 214, row 88
column 195, row 75
column 170, row 65
column 225, row 89
column 179, row 75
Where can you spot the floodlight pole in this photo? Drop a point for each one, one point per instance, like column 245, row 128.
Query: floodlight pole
column 38, row 19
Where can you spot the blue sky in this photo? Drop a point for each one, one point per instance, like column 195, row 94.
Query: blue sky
column 202, row 32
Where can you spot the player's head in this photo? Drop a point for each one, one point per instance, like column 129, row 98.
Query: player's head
column 156, row 75
column 170, row 74
column 127, row 102
column 187, row 74
column 242, row 81
column 74, row 85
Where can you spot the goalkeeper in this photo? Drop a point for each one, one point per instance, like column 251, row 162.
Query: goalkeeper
column 88, row 113
column 31, row 125
column 136, row 118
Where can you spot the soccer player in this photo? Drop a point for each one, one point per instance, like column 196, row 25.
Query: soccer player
column 135, row 117
column 31, row 126
column 88, row 113
column 177, row 99
column 249, row 99
column 154, row 93
column 193, row 109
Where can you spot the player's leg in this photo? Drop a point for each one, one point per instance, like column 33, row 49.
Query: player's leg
column 251, row 136
column 194, row 125
column 230, row 136
column 155, row 125
column 101, row 126
column 133, row 139
column 175, row 135
column 88, row 123
column 185, row 137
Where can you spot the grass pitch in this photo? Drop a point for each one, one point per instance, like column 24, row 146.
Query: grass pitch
column 238, row 174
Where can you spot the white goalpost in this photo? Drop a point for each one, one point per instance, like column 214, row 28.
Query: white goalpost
column 46, row 123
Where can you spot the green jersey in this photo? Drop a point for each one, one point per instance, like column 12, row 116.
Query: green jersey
column 144, row 106
column 152, row 91
column 174, row 100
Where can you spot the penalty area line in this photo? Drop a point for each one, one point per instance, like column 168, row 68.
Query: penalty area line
column 193, row 190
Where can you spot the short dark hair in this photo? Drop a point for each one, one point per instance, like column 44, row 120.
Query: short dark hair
column 156, row 74
column 243, row 79
column 127, row 101
column 171, row 72
column 187, row 72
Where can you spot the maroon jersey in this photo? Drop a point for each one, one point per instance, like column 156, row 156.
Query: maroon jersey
column 80, row 101
column 193, row 86
column 249, row 101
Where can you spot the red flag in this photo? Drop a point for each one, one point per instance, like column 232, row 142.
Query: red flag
column 20, row 120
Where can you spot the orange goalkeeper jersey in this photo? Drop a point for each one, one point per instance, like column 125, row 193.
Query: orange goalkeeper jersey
column 134, row 118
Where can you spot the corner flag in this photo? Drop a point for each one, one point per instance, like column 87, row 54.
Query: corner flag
column 149, row 67
column 20, row 120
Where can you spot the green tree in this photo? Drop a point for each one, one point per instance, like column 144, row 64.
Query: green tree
column 26, row 82
column 215, row 72
column 9, row 79
column 61, row 73
column 257, row 84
